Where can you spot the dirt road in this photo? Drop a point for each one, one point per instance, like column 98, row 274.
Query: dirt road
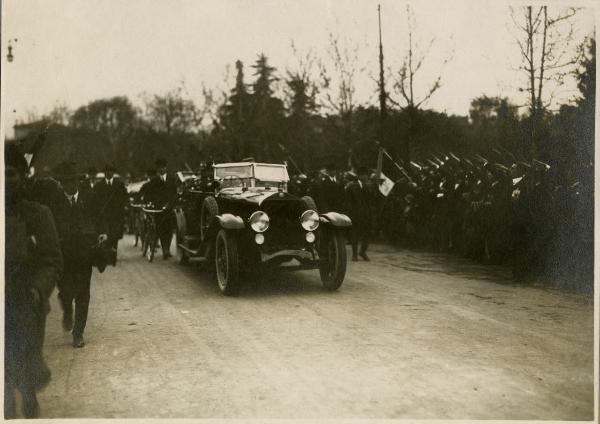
column 408, row 335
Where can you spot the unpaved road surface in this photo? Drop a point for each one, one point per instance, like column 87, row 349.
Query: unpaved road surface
column 408, row 335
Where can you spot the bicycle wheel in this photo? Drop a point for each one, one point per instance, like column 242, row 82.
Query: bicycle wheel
column 151, row 248
column 144, row 242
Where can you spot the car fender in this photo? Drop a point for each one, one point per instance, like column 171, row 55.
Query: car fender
column 336, row 219
column 180, row 219
column 230, row 221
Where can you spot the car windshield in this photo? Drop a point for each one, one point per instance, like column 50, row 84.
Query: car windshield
column 232, row 172
column 243, row 175
column 271, row 173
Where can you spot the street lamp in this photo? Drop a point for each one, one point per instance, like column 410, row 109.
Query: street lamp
column 10, row 56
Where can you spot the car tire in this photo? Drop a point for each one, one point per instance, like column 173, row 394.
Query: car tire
column 309, row 203
column 180, row 232
column 332, row 259
column 208, row 212
column 227, row 263
column 182, row 255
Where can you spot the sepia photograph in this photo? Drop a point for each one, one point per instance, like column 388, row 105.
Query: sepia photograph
column 299, row 210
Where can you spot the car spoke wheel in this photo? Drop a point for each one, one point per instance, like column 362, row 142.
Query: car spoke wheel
column 332, row 264
column 182, row 255
column 208, row 212
column 227, row 263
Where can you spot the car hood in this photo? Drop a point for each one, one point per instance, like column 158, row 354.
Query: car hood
column 253, row 196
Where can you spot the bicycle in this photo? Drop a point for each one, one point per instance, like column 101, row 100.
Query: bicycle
column 150, row 238
column 137, row 219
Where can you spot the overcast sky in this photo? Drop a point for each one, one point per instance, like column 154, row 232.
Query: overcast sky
column 75, row 51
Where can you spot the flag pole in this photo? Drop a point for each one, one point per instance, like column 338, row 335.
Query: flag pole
column 382, row 94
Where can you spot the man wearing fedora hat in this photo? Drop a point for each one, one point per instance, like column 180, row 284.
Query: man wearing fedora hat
column 81, row 227
column 161, row 190
column 111, row 196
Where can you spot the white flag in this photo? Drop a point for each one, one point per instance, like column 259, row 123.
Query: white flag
column 386, row 185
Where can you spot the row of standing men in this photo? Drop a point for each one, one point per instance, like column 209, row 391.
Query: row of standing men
column 523, row 214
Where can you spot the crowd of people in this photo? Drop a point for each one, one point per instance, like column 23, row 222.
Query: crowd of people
column 522, row 214
column 58, row 228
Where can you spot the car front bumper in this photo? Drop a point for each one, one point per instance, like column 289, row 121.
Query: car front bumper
column 291, row 258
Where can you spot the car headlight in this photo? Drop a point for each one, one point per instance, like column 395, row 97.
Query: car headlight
column 259, row 221
column 310, row 220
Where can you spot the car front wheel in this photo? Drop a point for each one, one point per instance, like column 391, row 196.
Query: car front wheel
column 182, row 255
column 332, row 264
column 227, row 263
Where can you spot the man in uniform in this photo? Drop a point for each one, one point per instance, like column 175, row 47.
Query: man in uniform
column 81, row 227
column 111, row 197
column 358, row 204
column 33, row 265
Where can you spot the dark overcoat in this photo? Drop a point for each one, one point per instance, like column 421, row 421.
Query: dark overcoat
column 78, row 227
column 159, row 192
column 330, row 196
column 111, row 200
column 359, row 202
column 32, row 261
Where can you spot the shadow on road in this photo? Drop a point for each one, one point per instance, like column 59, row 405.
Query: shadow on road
column 267, row 282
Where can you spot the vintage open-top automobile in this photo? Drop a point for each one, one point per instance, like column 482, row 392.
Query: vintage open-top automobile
column 243, row 218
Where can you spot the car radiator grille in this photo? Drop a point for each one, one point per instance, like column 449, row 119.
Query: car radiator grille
column 285, row 231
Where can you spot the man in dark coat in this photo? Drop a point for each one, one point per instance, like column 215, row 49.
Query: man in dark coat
column 33, row 265
column 161, row 191
column 330, row 191
column 358, row 206
column 80, row 227
column 143, row 193
column 111, row 197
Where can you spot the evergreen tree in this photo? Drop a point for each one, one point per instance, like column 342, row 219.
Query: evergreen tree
column 587, row 86
column 234, row 116
column 302, row 107
column 268, row 124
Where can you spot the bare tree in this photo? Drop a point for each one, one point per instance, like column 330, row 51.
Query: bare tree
column 337, row 83
column 31, row 115
column 337, row 79
column 214, row 99
column 547, row 58
column 301, row 87
column 404, row 79
column 172, row 113
column 59, row 114
column 301, row 90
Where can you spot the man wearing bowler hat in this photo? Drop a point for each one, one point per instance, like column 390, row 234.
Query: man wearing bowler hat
column 161, row 191
column 111, row 197
column 80, row 227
